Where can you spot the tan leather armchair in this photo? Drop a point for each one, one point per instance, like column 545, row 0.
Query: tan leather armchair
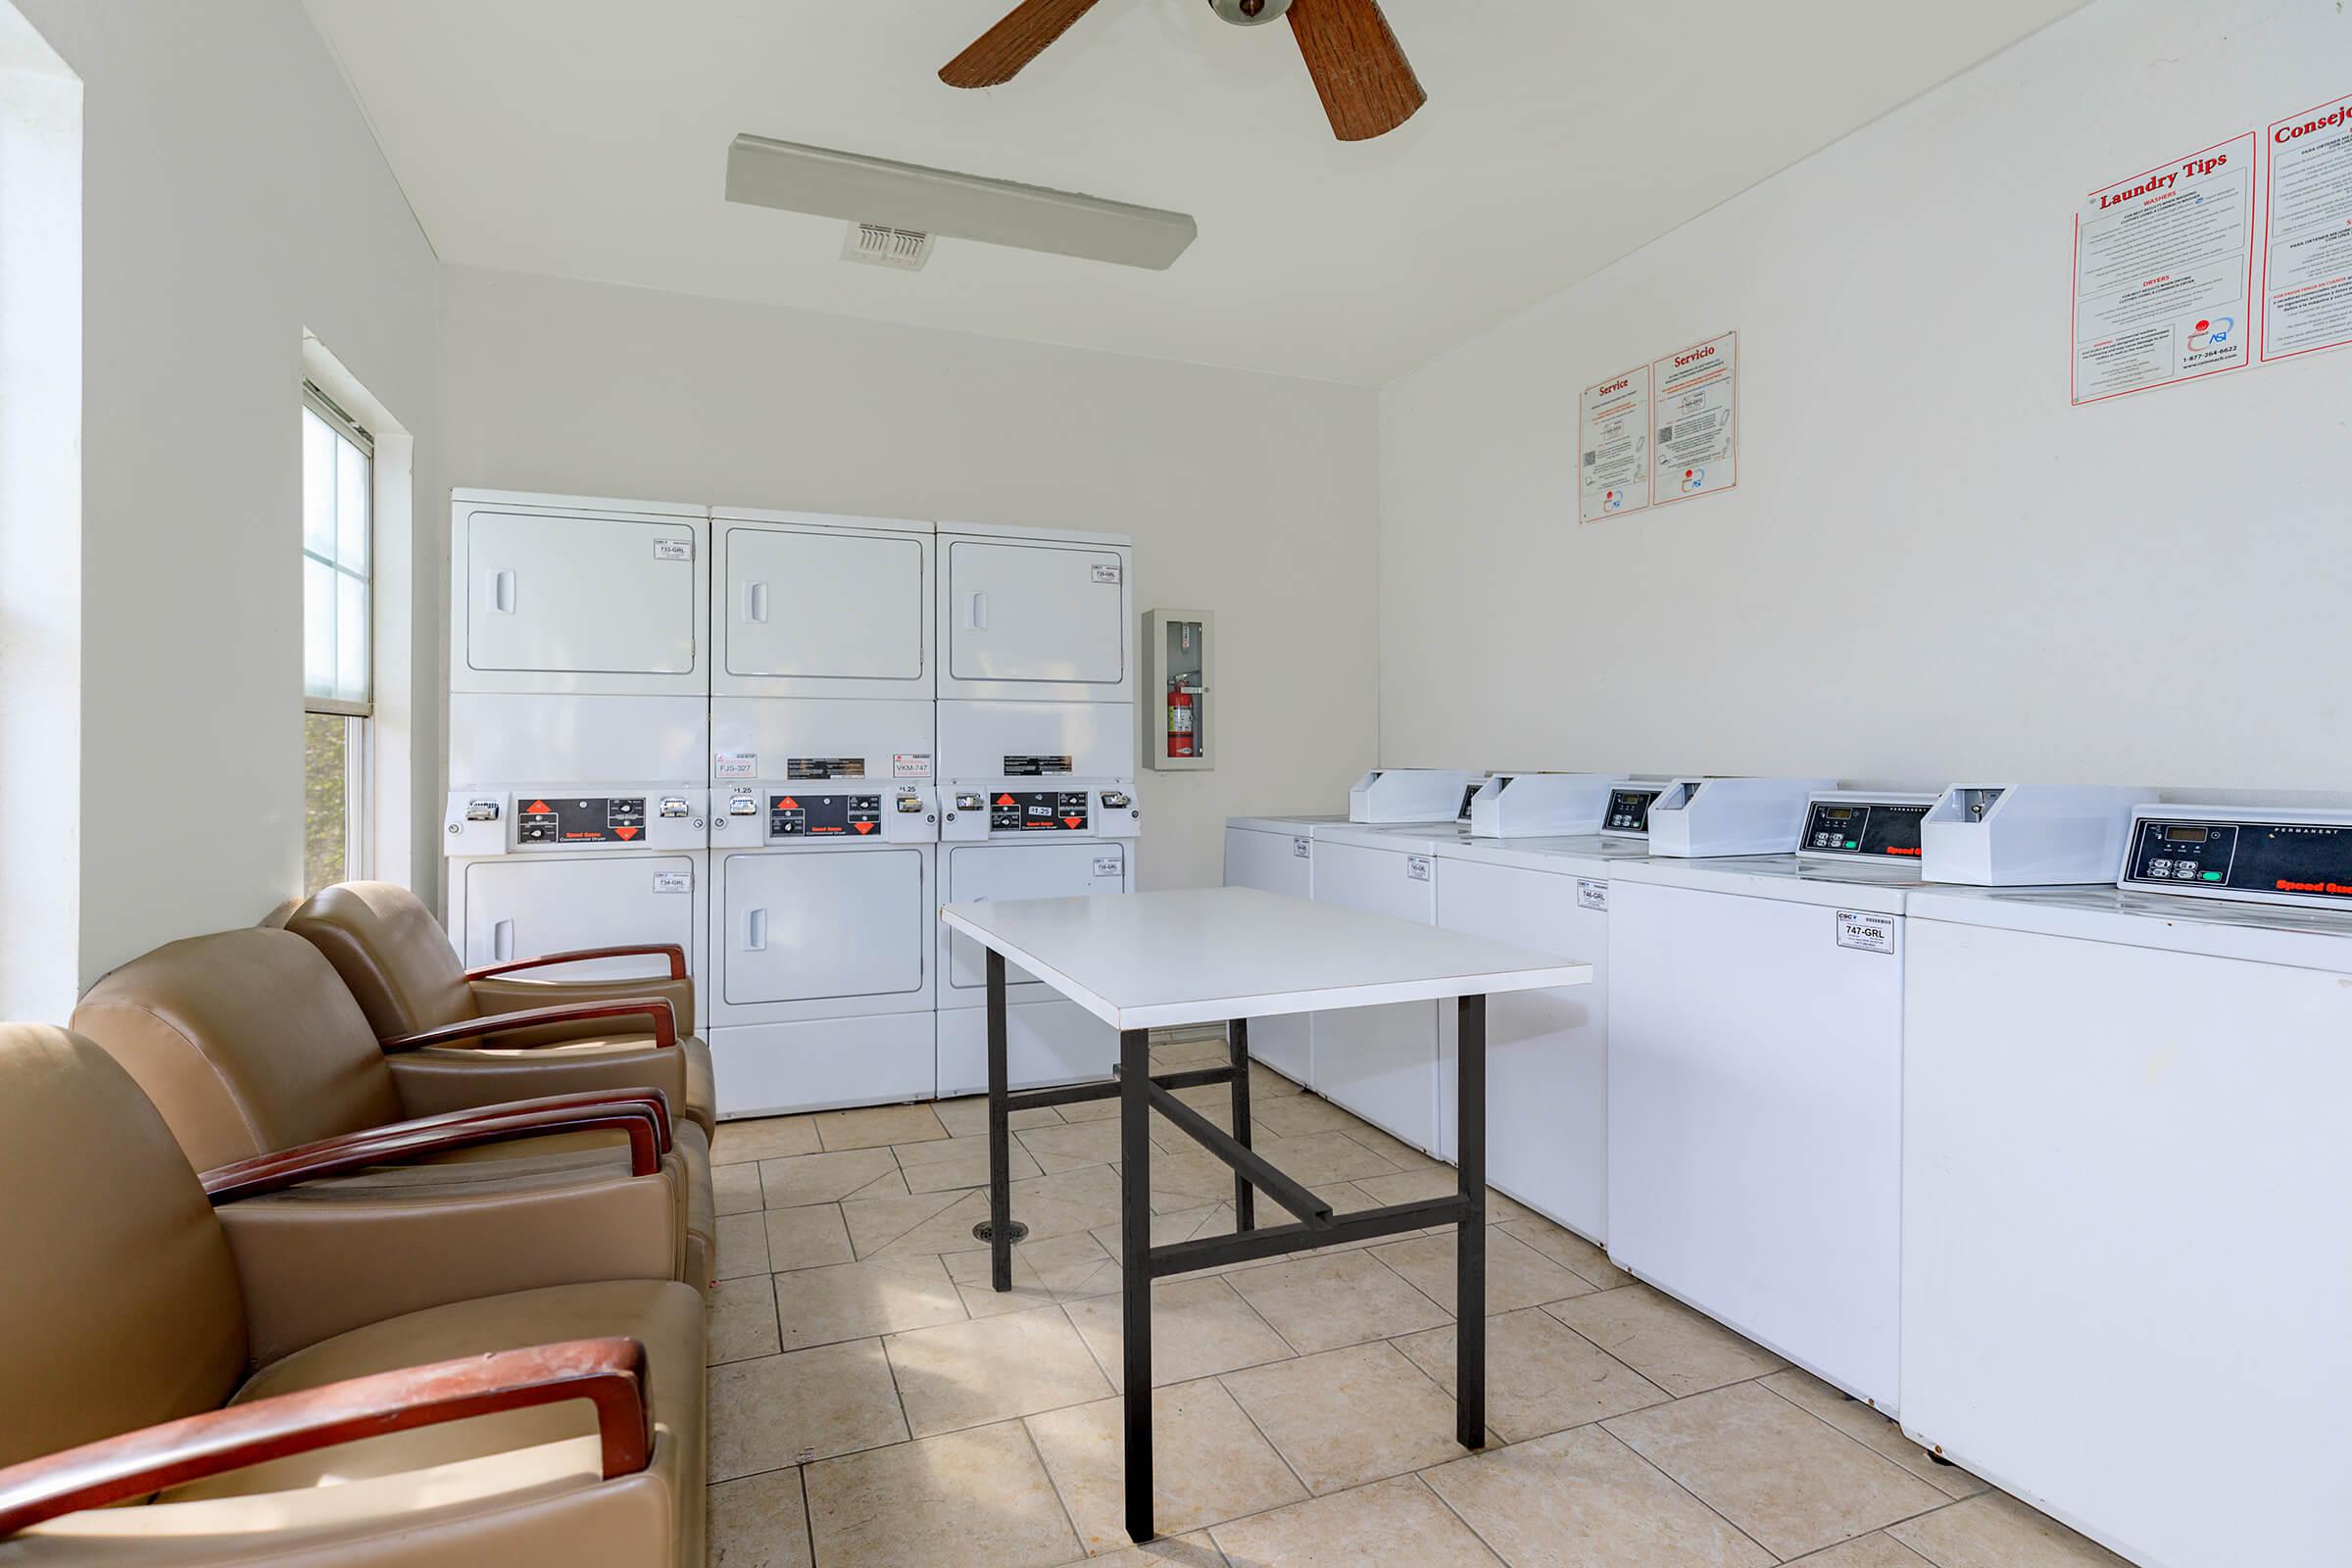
column 552, row 1426
column 251, row 1049
column 396, row 960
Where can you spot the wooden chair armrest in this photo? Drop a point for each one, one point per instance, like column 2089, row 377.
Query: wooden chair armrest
column 609, row 1373
column 641, row 1113
column 668, row 949
column 657, row 1008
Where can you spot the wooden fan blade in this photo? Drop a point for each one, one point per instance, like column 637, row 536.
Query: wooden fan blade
column 997, row 54
column 1367, row 85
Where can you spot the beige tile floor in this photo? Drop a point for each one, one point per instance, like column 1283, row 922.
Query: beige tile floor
column 874, row 1405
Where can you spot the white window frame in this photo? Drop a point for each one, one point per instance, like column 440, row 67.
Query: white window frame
column 359, row 735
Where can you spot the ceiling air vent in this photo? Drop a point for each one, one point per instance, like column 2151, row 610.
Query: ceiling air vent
column 880, row 245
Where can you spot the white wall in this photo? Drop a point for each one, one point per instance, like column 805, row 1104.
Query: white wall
column 40, row 524
column 234, row 198
column 1252, row 496
column 1932, row 567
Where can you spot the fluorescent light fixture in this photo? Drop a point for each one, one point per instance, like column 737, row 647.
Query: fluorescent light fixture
column 934, row 201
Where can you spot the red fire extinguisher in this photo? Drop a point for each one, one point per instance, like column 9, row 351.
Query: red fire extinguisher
column 1180, row 719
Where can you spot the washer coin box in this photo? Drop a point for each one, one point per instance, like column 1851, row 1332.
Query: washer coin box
column 2024, row 835
column 1709, row 816
column 1410, row 795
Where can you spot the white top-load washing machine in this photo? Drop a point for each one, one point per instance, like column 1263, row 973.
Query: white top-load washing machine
column 1755, row 1083
column 1546, row 1051
column 578, row 728
column 1036, row 768
column 2126, row 1276
column 1277, row 854
column 824, row 819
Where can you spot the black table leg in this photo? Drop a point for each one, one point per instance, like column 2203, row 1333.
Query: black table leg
column 1245, row 1196
column 1000, row 1134
column 1135, row 1247
column 1470, row 1240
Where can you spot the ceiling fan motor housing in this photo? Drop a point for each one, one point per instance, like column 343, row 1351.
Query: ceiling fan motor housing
column 1250, row 12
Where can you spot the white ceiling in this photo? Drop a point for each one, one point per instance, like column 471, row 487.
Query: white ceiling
column 588, row 138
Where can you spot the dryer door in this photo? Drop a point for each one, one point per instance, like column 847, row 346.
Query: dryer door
column 825, row 613
column 809, row 925
column 582, row 596
column 522, row 905
column 1026, row 619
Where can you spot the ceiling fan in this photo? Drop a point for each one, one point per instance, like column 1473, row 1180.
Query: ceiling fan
column 1367, row 85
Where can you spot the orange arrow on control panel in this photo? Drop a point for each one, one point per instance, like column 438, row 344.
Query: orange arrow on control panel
column 536, row 808
column 788, row 804
column 863, row 827
column 1005, row 800
column 1073, row 821
column 625, row 833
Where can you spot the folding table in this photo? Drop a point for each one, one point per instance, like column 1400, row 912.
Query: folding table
column 1147, row 961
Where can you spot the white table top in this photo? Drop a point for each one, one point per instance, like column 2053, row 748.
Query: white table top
column 1141, row 961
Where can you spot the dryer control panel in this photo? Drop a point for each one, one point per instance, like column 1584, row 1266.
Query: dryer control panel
column 636, row 817
column 2271, row 857
column 1013, row 809
column 1862, row 827
column 785, row 812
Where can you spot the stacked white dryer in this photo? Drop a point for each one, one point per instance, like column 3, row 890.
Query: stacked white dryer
column 578, row 728
column 1036, row 770
column 824, row 821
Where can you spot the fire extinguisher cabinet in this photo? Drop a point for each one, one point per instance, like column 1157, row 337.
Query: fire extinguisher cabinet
column 1179, row 692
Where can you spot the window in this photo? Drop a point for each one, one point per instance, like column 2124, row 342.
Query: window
column 337, row 692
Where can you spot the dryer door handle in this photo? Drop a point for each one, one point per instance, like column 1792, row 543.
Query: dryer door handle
column 975, row 611
column 502, row 591
column 755, row 608
column 755, row 931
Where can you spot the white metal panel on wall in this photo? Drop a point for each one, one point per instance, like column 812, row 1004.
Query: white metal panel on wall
column 1276, row 862
column 823, row 607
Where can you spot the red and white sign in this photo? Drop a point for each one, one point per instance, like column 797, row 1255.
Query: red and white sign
column 1696, row 393
column 2307, row 237
column 1613, row 431
column 2164, row 274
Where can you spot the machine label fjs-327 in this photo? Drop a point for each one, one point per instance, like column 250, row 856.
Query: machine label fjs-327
column 603, row 819
column 1038, row 811
column 796, row 816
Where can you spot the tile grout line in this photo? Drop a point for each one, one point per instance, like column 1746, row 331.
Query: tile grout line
column 807, row 1513
column 1273, row 1448
column 1698, row 1502
column 1053, row 1484
column 1949, row 1499
column 1476, row 1535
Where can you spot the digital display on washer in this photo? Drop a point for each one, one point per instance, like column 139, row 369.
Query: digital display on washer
column 1863, row 829
column 1629, row 811
column 2310, row 863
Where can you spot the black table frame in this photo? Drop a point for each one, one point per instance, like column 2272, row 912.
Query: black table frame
column 1140, row 1092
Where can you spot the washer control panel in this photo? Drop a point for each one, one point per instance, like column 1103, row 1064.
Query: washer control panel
column 2291, row 857
column 1629, row 811
column 1856, row 828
